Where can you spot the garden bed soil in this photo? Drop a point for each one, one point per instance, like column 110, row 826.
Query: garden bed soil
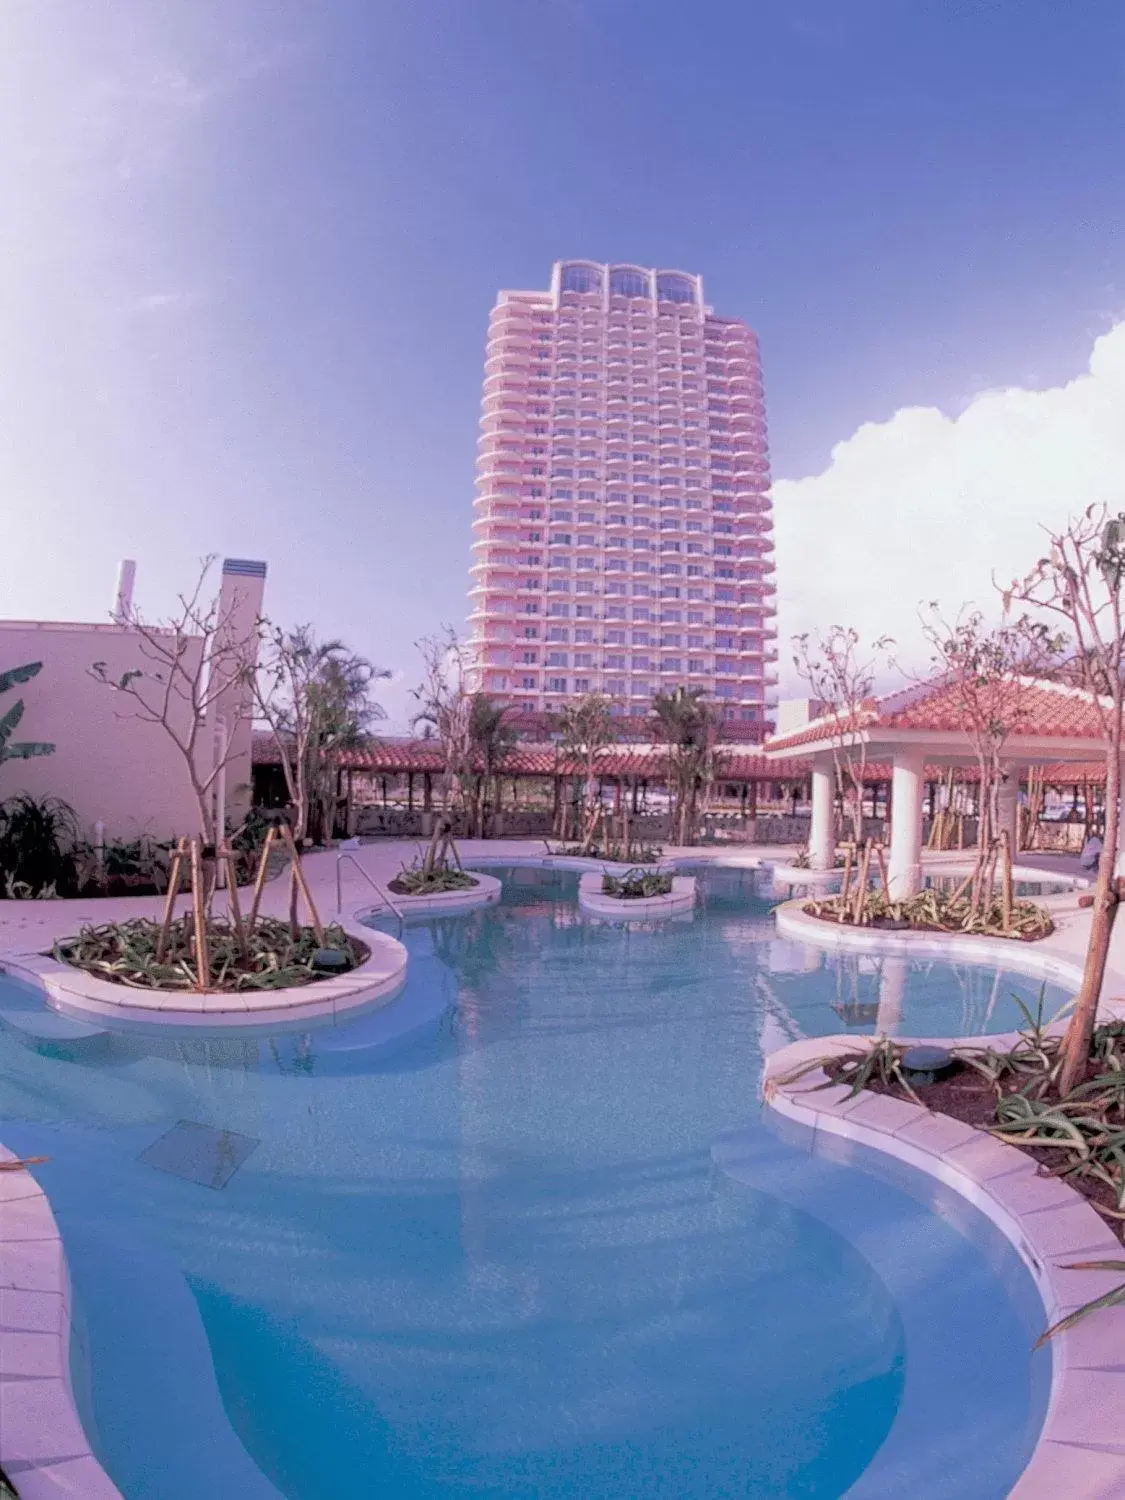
column 907, row 926
column 964, row 1095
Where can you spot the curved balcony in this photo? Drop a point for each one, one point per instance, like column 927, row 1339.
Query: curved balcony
column 510, row 333
column 508, row 327
column 502, row 424
column 504, row 358
column 515, row 379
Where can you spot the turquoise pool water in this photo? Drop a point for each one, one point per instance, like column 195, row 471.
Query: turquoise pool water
column 542, row 1245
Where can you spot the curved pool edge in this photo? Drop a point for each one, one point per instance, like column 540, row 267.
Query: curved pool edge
column 44, row 1449
column 1039, row 960
column 789, row 874
column 84, row 997
column 487, row 891
column 1079, row 1451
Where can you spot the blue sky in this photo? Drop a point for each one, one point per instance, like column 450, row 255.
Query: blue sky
column 249, row 249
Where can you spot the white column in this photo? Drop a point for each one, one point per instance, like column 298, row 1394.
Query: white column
column 1008, row 806
column 822, row 831
column 892, row 990
column 904, row 872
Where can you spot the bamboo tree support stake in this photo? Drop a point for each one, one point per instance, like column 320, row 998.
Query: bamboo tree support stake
column 202, row 957
column 226, row 856
column 962, row 888
column 861, row 889
column 849, row 855
column 884, row 882
column 1006, row 890
column 175, row 875
column 299, row 879
column 260, row 878
column 294, row 915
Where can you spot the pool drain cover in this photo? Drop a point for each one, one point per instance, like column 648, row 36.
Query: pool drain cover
column 199, row 1153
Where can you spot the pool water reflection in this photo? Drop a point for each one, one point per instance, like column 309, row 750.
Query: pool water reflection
column 512, row 1256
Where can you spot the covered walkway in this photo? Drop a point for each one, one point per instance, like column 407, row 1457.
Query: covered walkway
column 921, row 732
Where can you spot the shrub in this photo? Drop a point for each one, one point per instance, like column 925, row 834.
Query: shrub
column 637, row 885
column 38, row 847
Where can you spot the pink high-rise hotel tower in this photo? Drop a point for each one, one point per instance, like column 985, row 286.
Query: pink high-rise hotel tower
column 623, row 520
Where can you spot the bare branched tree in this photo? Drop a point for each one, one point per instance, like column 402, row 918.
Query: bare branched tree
column 841, row 676
column 191, row 662
column 1079, row 582
column 990, row 671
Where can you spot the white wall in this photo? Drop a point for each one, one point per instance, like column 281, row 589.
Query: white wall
column 794, row 713
column 107, row 764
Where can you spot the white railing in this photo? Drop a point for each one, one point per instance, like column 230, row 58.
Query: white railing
column 375, row 886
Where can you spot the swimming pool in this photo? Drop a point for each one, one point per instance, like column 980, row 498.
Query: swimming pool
column 543, row 1246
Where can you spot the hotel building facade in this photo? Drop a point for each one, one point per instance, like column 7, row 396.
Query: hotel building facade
column 623, row 524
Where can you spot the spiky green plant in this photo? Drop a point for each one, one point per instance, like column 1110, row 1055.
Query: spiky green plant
column 39, row 837
column 415, row 880
column 637, row 885
column 1113, row 1298
column 271, row 958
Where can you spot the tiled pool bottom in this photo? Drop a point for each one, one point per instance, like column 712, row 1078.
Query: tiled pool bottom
column 519, row 1255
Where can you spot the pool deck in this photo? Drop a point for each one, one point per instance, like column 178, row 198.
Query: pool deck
column 42, row 1444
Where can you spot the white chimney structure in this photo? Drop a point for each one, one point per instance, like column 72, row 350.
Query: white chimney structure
column 126, row 575
column 240, row 606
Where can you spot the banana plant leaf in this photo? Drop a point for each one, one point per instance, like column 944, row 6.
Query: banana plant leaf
column 14, row 675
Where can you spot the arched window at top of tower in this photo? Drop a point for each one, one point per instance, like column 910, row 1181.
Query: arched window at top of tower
column 626, row 281
column 578, row 277
column 673, row 287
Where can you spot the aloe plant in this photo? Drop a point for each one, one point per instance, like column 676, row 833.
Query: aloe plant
column 1113, row 1298
column 9, row 722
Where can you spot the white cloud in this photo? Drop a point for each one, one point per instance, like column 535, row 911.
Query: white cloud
column 927, row 506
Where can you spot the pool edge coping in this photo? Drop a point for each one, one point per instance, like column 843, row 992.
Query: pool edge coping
column 1079, row 1436
column 72, row 992
column 791, row 875
column 486, row 892
column 42, row 1436
column 1039, row 960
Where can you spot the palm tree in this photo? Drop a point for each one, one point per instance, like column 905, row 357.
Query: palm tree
column 315, row 696
column 343, row 713
column 685, row 722
column 586, row 728
column 491, row 737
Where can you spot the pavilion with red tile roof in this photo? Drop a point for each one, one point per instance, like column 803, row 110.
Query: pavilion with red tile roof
column 924, row 726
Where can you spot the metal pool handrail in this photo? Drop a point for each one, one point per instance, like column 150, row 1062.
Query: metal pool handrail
column 378, row 889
